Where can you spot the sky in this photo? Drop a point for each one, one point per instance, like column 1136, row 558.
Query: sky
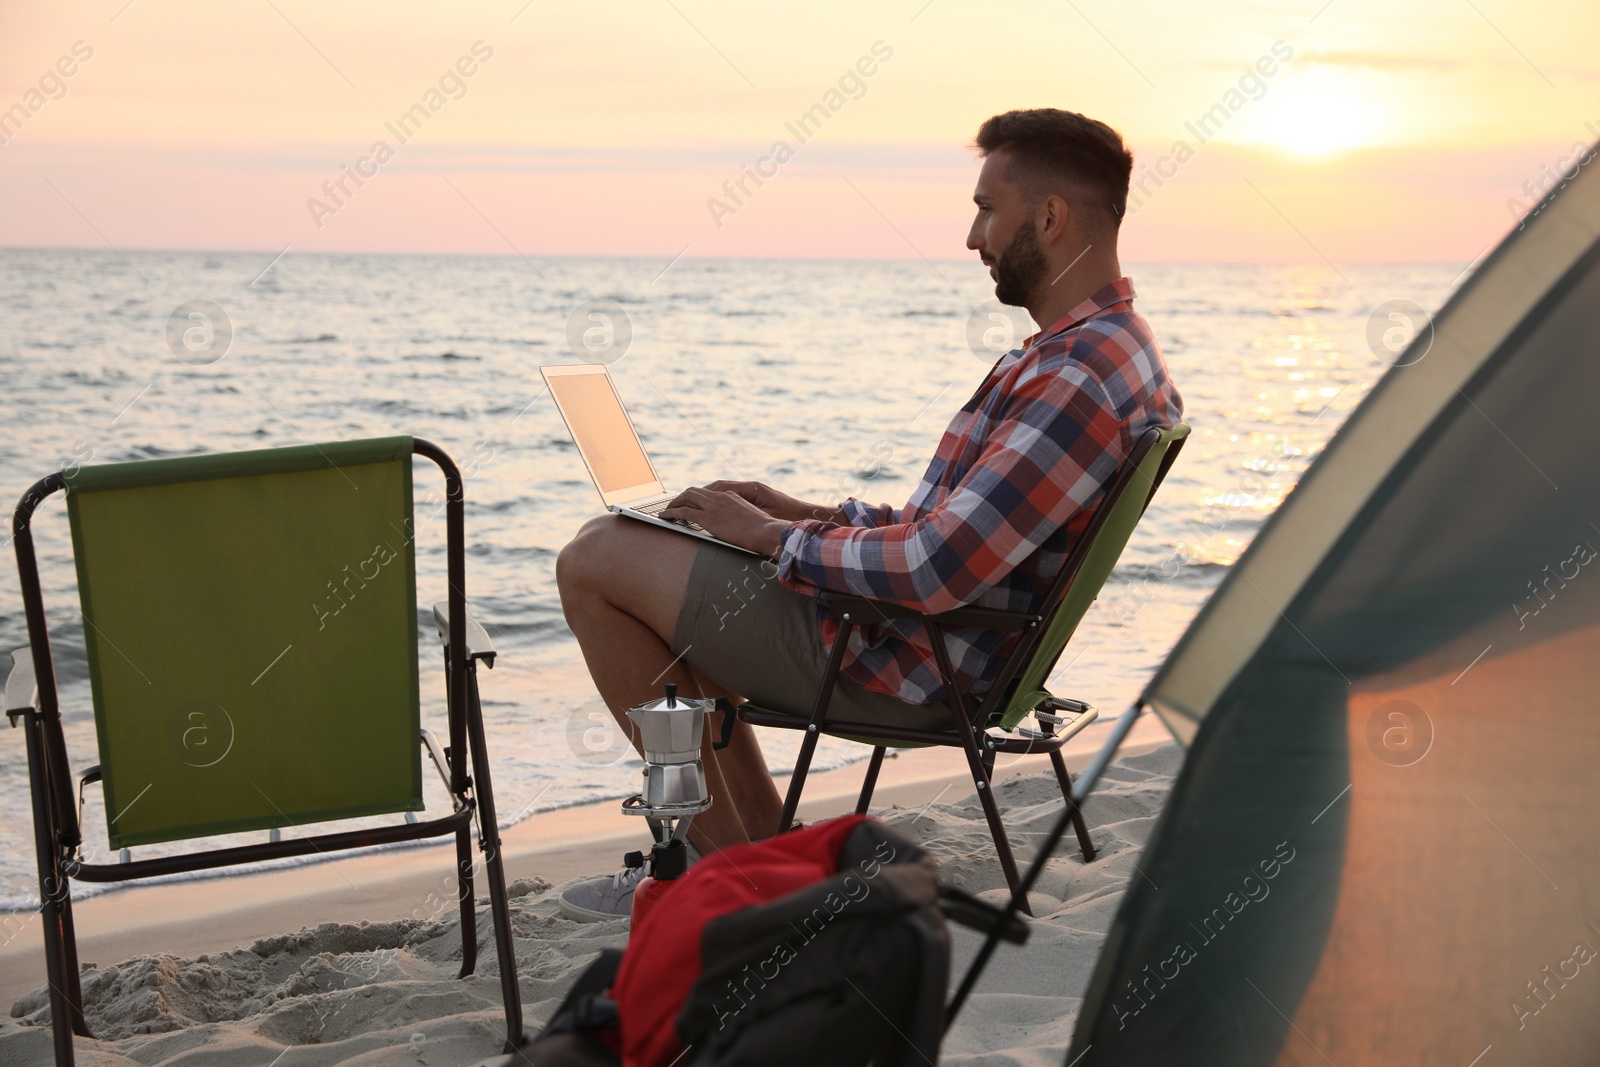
column 1324, row 130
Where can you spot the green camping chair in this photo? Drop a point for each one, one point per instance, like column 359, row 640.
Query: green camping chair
column 250, row 621
column 1019, row 687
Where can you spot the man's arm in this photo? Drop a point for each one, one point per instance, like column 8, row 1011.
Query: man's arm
column 1058, row 442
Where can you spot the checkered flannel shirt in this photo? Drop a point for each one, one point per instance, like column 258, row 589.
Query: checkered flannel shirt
column 1014, row 482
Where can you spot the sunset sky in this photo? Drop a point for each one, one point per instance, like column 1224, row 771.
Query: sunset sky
column 1390, row 132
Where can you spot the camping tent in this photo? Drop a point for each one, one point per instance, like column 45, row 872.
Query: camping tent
column 1384, row 846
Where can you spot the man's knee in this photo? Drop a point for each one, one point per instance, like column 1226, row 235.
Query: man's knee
column 582, row 558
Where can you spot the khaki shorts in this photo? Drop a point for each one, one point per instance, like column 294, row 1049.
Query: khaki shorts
column 754, row 637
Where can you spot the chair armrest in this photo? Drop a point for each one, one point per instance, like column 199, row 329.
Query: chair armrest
column 22, row 688
column 87, row 778
column 441, row 762
column 478, row 644
column 865, row 609
column 1061, row 718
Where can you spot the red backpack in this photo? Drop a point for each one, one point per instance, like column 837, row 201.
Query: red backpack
column 821, row 945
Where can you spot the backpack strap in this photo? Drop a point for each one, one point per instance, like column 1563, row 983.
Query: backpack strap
column 586, row 1005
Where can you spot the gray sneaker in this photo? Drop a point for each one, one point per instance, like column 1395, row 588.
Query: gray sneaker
column 608, row 897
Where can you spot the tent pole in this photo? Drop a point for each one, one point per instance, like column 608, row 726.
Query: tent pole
column 1086, row 781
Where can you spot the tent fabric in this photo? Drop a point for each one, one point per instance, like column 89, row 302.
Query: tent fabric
column 251, row 629
column 1381, row 845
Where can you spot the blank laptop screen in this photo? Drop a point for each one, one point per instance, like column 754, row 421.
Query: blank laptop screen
column 602, row 431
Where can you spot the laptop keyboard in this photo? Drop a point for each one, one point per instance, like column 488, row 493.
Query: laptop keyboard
column 654, row 511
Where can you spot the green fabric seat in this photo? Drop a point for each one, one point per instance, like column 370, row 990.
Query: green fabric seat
column 251, row 626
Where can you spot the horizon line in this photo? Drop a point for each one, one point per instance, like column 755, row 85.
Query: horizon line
column 656, row 257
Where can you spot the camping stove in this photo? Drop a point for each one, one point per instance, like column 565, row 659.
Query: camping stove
column 670, row 731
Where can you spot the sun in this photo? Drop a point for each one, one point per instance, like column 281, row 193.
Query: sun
column 1316, row 114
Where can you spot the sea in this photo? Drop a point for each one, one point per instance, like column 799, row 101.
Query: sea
column 828, row 379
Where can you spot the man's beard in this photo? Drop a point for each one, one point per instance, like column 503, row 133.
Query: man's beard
column 1019, row 268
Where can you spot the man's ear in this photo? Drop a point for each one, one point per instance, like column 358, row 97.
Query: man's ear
column 1053, row 218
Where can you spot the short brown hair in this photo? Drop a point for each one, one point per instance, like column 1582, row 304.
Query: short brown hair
column 1048, row 146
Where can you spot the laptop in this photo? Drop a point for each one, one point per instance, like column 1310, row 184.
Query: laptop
column 588, row 401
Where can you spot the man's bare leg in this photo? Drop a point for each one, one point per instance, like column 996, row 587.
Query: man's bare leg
column 622, row 585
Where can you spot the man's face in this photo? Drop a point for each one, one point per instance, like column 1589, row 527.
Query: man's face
column 1003, row 233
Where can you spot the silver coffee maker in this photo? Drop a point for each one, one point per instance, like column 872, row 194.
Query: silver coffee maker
column 670, row 732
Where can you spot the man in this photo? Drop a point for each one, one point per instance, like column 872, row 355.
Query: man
column 1014, row 481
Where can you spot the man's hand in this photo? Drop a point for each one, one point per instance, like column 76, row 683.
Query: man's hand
column 778, row 505
column 729, row 516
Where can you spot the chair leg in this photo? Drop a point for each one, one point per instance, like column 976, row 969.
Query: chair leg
column 64, row 1014
column 819, row 715
column 52, row 883
column 871, row 781
column 466, row 892
column 69, row 961
column 797, row 781
column 467, row 897
column 976, row 762
column 505, row 947
column 1085, row 846
column 52, row 748
column 494, row 869
column 991, row 812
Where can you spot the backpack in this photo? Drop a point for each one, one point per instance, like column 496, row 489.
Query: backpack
column 765, row 954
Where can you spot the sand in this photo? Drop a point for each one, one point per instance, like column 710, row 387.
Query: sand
column 385, row 992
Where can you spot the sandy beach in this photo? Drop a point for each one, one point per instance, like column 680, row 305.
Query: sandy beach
column 213, row 971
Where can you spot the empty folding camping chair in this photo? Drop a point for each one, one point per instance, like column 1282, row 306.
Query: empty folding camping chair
column 251, row 628
column 1019, row 689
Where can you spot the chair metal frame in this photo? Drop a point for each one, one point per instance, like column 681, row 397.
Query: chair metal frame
column 32, row 703
column 1059, row 719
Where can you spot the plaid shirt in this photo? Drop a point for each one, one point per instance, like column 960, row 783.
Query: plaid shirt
column 1014, row 482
